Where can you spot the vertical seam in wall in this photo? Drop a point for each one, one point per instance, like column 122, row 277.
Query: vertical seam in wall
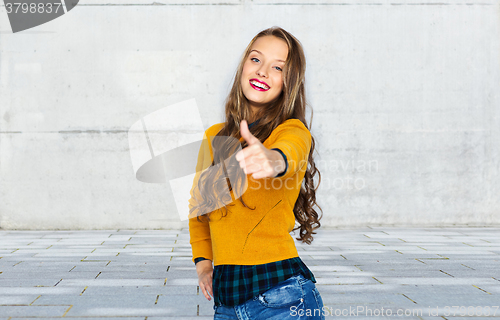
column 147, row 138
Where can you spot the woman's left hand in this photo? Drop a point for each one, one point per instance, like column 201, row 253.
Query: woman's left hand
column 256, row 159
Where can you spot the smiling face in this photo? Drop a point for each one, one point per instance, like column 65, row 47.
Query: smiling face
column 261, row 78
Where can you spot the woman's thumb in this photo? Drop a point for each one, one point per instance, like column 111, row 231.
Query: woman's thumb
column 246, row 134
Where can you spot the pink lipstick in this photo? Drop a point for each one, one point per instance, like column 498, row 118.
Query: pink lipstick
column 264, row 86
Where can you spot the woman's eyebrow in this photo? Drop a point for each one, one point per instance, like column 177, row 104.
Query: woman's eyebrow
column 262, row 54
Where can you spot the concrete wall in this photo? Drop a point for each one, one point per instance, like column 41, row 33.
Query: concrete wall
column 406, row 100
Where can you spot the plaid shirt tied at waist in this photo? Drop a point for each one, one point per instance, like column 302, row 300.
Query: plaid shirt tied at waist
column 235, row 284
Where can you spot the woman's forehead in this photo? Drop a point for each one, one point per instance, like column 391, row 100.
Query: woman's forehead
column 270, row 46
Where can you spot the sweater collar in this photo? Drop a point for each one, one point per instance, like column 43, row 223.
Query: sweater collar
column 251, row 124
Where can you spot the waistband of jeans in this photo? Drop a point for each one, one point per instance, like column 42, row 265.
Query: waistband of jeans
column 297, row 276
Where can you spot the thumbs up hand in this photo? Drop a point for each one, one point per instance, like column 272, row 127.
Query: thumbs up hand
column 256, row 159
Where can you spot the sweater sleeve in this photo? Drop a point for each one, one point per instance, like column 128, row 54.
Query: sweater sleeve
column 196, row 260
column 199, row 232
column 294, row 141
column 286, row 163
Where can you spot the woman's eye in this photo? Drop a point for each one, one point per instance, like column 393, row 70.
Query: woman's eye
column 257, row 60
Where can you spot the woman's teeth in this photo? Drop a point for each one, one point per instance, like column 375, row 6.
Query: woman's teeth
column 260, row 85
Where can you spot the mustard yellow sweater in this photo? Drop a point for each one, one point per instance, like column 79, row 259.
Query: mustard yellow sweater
column 250, row 237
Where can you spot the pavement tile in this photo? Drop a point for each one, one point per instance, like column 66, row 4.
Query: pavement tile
column 441, row 290
column 355, row 299
column 174, row 310
column 451, row 299
column 37, row 290
column 358, row 288
column 34, row 275
column 133, row 274
column 114, row 300
column 444, row 280
column 331, row 268
column 35, row 282
column 17, row 299
column 345, row 280
column 110, row 282
column 137, row 290
column 33, row 311
column 492, row 289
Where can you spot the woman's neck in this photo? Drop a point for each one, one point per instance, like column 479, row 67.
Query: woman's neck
column 252, row 121
column 253, row 118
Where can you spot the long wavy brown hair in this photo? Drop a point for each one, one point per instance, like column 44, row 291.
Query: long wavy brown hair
column 290, row 104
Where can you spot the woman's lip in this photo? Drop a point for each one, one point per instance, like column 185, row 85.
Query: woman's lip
column 257, row 88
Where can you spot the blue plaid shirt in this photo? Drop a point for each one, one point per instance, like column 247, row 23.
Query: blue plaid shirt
column 235, row 284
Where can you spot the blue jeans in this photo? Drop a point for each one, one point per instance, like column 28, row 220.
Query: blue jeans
column 294, row 298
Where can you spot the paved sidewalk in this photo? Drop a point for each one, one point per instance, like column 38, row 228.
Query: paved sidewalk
column 425, row 273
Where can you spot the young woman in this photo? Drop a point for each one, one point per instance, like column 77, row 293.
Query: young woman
column 258, row 273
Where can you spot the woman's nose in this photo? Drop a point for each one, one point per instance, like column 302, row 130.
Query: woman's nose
column 261, row 72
